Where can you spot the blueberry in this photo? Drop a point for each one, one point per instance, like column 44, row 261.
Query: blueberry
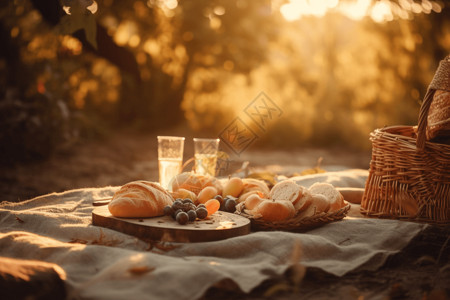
column 176, row 213
column 168, row 211
column 176, row 205
column 182, row 218
column 230, row 205
column 201, row 212
column 192, row 215
column 219, row 197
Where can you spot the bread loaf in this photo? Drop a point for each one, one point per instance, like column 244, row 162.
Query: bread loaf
column 304, row 199
column 285, row 190
column 330, row 192
column 194, row 182
column 139, row 199
column 252, row 201
column 273, row 211
column 289, row 190
column 252, row 185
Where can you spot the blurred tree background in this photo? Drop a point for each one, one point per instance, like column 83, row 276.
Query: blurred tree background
column 337, row 69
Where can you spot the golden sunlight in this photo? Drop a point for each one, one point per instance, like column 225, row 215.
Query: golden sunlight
column 378, row 11
column 225, row 225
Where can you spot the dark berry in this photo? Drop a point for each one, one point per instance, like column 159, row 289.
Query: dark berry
column 201, row 205
column 192, row 206
column 186, row 207
column 202, row 212
column 192, row 215
column 168, row 211
column 178, row 211
column 230, row 205
column 187, row 200
column 182, row 218
column 177, row 205
column 219, row 197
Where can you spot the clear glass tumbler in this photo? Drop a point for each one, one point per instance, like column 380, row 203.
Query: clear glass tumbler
column 170, row 158
column 205, row 155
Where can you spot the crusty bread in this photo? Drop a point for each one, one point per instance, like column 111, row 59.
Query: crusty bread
column 308, row 212
column 244, row 197
column 304, row 199
column 330, row 192
column 285, row 190
column 273, row 211
column 320, row 202
column 251, row 184
column 194, row 182
column 139, row 199
column 352, row 195
column 289, row 190
column 252, row 201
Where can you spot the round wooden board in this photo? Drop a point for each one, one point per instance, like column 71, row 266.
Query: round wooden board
column 221, row 225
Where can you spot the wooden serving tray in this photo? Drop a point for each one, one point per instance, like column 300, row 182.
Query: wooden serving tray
column 221, row 225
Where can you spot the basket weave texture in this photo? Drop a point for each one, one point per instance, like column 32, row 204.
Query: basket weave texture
column 409, row 177
column 297, row 223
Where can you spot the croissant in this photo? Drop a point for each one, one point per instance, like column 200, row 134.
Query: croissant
column 139, row 199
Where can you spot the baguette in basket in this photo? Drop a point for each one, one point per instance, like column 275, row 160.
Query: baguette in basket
column 288, row 200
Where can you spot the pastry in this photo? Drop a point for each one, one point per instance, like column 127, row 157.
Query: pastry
column 194, row 182
column 333, row 196
column 139, row 199
column 273, row 211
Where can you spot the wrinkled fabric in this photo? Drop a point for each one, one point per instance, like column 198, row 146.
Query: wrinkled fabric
column 101, row 263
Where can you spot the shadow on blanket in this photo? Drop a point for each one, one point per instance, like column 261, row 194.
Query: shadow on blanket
column 31, row 279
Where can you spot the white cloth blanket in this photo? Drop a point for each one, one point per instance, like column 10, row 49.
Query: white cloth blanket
column 101, row 263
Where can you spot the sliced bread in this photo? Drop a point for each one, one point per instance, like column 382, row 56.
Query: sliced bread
column 285, row 190
column 330, row 192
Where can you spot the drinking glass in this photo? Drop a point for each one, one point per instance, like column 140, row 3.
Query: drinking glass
column 205, row 155
column 170, row 158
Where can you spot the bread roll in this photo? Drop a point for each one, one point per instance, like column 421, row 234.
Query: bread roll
column 304, row 199
column 273, row 211
column 194, row 182
column 139, row 199
column 320, row 202
column 253, row 187
column 330, row 192
column 308, row 212
column 285, row 190
column 244, row 197
column 251, row 184
column 252, row 201
column 352, row 195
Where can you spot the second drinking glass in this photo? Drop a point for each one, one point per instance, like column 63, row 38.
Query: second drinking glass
column 205, row 155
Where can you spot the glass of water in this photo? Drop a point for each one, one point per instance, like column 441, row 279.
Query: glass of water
column 170, row 158
column 205, row 156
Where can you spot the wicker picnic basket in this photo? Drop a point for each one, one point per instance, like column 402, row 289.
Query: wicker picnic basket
column 409, row 174
column 297, row 223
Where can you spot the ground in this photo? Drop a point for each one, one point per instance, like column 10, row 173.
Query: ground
column 126, row 156
column 421, row 271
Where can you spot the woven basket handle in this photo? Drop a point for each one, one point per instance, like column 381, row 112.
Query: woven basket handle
column 441, row 81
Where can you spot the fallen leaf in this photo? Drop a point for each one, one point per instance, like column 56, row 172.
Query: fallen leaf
column 140, row 270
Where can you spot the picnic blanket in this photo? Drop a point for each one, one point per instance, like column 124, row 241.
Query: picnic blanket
column 101, row 263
